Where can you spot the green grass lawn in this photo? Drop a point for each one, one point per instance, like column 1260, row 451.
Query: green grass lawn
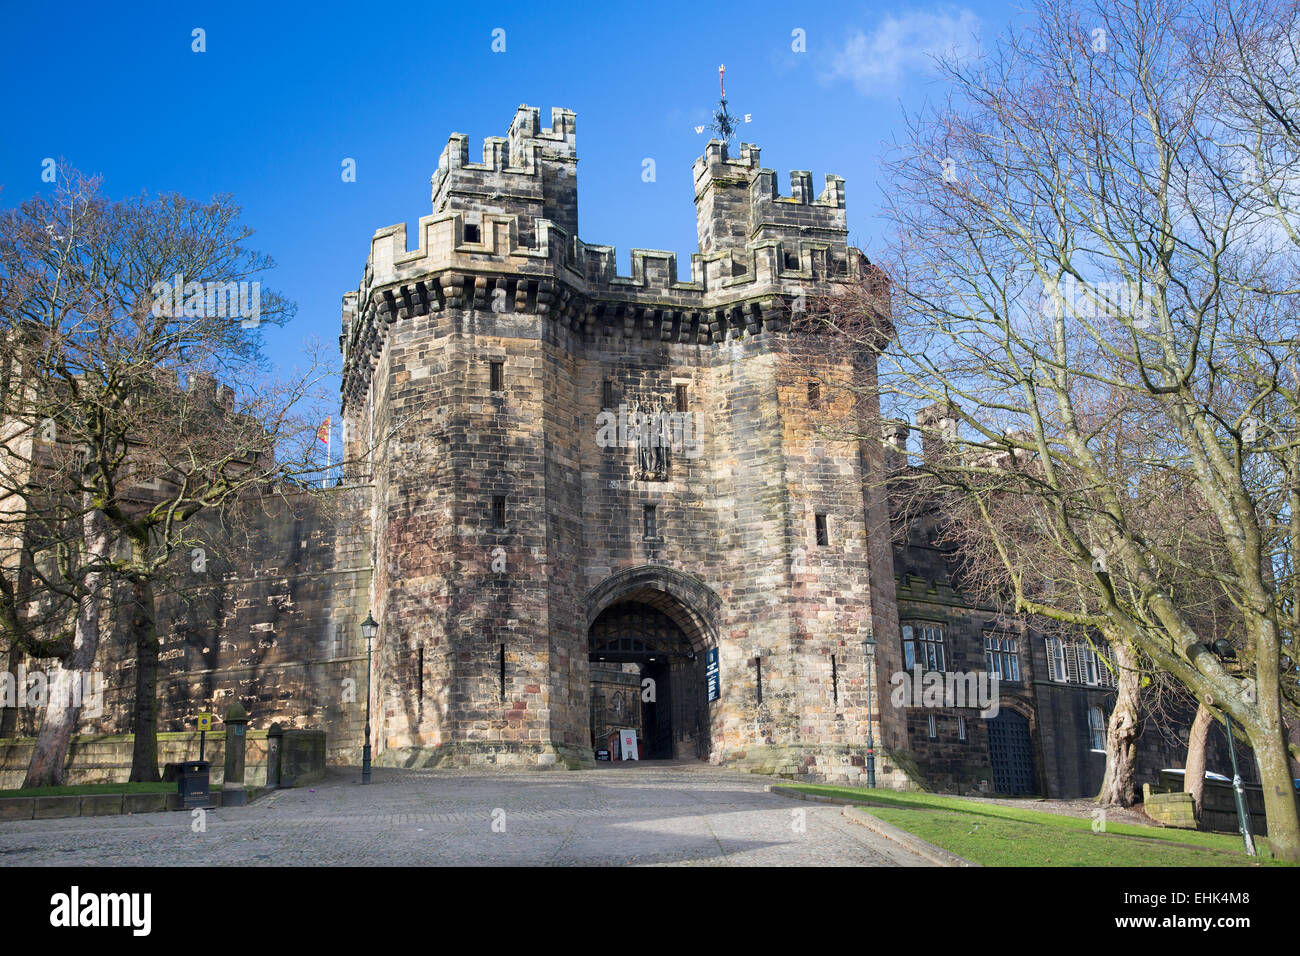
column 91, row 789
column 996, row 835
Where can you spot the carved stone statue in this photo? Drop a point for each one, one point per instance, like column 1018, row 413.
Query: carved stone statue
column 661, row 435
column 652, row 437
column 639, row 436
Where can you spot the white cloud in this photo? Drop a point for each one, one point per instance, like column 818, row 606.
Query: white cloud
column 901, row 48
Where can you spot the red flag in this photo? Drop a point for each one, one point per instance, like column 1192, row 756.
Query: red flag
column 323, row 433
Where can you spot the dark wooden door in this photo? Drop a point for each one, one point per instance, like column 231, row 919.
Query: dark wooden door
column 1011, row 752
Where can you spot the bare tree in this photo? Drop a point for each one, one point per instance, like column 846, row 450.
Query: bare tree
column 118, row 316
column 1110, row 321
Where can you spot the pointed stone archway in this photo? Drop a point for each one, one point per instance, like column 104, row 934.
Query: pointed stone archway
column 649, row 631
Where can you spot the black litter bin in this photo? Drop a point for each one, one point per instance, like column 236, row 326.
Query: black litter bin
column 192, row 784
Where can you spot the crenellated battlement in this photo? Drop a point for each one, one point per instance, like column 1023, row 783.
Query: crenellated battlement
column 497, row 246
column 801, row 189
column 715, row 167
column 737, row 204
column 562, row 134
column 503, row 238
column 518, row 151
column 530, row 172
column 715, row 154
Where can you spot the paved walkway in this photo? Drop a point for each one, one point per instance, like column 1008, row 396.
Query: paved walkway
column 651, row 814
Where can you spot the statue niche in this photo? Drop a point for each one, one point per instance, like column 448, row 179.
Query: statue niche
column 652, row 434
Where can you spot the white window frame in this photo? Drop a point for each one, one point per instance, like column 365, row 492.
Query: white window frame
column 1090, row 667
column 1097, row 731
column 1056, row 660
column 1002, row 654
column 1105, row 675
column 928, row 637
column 934, row 730
column 1077, row 662
column 961, row 727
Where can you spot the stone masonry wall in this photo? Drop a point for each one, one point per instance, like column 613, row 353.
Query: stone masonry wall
column 499, row 275
column 269, row 617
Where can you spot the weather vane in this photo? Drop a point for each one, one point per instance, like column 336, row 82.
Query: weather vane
column 724, row 124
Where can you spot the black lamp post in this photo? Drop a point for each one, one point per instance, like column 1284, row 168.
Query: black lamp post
column 1225, row 653
column 368, row 630
column 870, row 645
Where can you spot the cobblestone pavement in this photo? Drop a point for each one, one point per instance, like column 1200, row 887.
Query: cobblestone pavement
column 651, row 814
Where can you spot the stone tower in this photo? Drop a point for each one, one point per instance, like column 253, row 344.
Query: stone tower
column 577, row 473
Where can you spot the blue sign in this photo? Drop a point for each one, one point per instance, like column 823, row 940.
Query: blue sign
column 711, row 674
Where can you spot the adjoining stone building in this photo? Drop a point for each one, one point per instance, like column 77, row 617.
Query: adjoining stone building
column 595, row 500
column 1054, row 693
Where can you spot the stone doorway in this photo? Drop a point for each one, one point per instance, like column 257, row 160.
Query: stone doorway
column 647, row 674
column 1011, row 753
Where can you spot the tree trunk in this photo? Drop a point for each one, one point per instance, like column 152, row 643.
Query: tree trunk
column 1118, row 787
column 1279, row 789
column 9, row 715
column 64, row 699
column 144, row 629
column 1194, row 772
column 1279, row 804
column 9, row 723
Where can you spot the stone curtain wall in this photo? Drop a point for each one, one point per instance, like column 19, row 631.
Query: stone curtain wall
column 270, row 617
column 279, row 627
column 612, row 500
column 945, row 761
column 738, row 517
column 575, row 517
column 567, row 396
column 106, row 758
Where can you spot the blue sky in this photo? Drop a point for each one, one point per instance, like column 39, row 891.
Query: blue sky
column 281, row 97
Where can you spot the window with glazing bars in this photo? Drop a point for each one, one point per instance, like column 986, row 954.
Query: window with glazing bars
column 1000, row 656
column 1097, row 725
column 923, row 646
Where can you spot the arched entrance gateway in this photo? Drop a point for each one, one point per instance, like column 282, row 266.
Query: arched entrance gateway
column 649, row 633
